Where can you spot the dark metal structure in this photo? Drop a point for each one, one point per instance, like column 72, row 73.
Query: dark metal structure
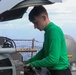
column 18, row 10
column 10, row 64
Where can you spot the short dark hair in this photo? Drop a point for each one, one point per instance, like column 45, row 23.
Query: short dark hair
column 36, row 11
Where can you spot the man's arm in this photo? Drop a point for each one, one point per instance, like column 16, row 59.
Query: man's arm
column 54, row 52
column 38, row 56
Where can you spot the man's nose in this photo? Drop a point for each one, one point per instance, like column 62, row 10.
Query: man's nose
column 35, row 26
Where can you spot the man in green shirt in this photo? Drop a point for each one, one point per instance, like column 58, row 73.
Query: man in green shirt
column 53, row 55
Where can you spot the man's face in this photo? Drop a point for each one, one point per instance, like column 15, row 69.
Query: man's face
column 39, row 23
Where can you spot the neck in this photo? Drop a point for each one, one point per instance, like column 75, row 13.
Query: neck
column 47, row 22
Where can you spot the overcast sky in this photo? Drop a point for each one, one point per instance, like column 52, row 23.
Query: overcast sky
column 63, row 14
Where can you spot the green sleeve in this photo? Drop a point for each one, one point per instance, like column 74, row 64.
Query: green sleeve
column 38, row 56
column 54, row 52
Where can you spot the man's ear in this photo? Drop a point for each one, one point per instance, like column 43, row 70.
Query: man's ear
column 44, row 17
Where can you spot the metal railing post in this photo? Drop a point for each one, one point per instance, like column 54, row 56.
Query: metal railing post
column 32, row 46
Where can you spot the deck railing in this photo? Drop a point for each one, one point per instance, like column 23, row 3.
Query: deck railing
column 27, row 45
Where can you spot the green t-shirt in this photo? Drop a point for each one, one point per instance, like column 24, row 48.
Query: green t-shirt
column 53, row 55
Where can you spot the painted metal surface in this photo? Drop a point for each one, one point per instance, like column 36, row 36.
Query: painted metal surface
column 9, row 9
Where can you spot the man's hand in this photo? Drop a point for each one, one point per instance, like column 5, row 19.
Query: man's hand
column 27, row 65
column 28, row 70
